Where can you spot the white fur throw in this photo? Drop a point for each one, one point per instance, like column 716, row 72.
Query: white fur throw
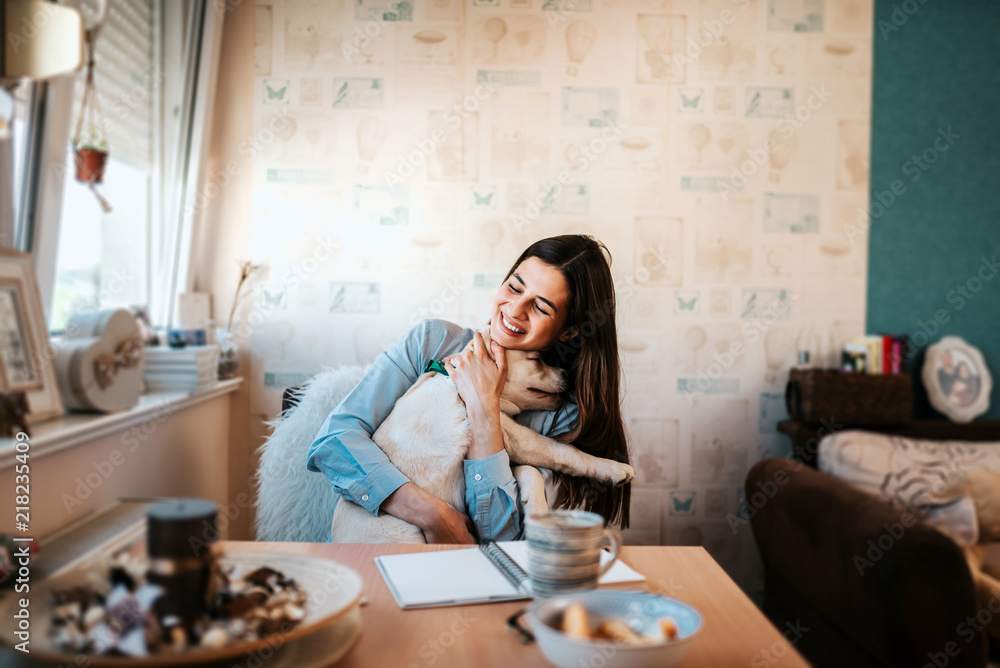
column 293, row 503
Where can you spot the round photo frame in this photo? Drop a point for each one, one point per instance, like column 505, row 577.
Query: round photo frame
column 957, row 380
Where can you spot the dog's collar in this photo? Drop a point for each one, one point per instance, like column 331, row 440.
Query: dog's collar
column 436, row 365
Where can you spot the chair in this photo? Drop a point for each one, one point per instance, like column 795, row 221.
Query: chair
column 293, row 503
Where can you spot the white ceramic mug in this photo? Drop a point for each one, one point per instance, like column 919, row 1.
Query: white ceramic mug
column 564, row 550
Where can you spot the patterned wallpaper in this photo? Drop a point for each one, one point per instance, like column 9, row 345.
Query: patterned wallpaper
column 405, row 153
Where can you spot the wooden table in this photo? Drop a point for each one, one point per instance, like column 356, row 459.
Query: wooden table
column 735, row 632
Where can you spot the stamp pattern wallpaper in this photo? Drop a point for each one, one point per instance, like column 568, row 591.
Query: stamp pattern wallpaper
column 406, row 152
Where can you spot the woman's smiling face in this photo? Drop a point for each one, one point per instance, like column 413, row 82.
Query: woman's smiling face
column 530, row 309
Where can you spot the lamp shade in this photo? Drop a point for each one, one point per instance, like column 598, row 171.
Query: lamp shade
column 43, row 39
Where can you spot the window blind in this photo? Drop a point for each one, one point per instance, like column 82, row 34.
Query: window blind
column 127, row 78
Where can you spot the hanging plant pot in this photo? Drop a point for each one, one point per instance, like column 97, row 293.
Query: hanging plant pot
column 90, row 151
column 90, row 164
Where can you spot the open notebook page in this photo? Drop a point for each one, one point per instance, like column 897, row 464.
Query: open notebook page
column 620, row 572
column 456, row 577
column 448, row 577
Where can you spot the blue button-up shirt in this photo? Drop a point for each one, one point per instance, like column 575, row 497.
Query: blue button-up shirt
column 358, row 469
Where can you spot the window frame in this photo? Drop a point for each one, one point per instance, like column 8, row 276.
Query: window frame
column 40, row 231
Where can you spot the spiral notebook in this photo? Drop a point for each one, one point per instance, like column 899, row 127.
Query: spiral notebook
column 490, row 572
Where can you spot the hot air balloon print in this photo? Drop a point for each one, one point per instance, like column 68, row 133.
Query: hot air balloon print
column 495, row 29
column 784, row 143
column 661, row 36
column 580, row 38
column 371, row 134
column 779, row 344
column 699, row 135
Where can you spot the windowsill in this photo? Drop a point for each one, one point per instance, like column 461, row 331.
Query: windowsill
column 72, row 429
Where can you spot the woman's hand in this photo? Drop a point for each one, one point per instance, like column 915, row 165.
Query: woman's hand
column 480, row 381
column 440, row 522
column 478, row 378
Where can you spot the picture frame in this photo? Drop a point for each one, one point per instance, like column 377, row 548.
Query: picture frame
column 26, row 356
column 957, row 379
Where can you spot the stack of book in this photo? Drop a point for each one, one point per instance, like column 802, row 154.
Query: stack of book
column 190, row 369
column 875, row 355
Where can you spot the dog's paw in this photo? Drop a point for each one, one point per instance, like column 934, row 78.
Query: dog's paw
column 615, row 473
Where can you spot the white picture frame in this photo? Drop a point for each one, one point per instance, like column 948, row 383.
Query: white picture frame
column 957, row 379
column 27, row 363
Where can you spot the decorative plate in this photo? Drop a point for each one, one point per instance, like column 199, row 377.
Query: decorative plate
column 334, row 597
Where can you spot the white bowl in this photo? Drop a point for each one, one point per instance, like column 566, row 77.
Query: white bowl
column 640, row 610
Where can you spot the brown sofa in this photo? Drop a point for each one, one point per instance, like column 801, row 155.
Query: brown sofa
column 870, row 590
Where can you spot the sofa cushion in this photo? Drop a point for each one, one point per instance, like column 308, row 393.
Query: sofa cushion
column 912, row 474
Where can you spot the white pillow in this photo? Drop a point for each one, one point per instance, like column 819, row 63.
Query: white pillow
column 912, row 474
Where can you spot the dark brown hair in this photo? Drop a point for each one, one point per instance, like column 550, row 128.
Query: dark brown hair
column 590, row 359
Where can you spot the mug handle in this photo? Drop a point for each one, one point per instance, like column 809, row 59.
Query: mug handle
column 615, row 539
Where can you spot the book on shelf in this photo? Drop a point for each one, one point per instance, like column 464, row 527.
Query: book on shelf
column 165, row 354
column 881, row 354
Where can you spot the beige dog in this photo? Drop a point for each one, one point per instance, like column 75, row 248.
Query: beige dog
column 427, row 437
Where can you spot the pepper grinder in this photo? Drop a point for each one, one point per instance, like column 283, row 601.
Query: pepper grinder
column 180, row 534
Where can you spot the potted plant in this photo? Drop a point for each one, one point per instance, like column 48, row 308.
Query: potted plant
column 91, row 154
column 90, row 151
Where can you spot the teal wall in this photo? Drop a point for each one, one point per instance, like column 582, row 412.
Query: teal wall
column 940, row 70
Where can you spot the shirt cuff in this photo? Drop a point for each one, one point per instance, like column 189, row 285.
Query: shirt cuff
column 491, row 497
column 376, row 486
column 493, row 471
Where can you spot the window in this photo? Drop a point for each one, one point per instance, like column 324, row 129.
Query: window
column 24, row 133
column 104, row 259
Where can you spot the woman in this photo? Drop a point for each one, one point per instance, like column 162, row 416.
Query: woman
column 559, row 298
column 964, row 388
